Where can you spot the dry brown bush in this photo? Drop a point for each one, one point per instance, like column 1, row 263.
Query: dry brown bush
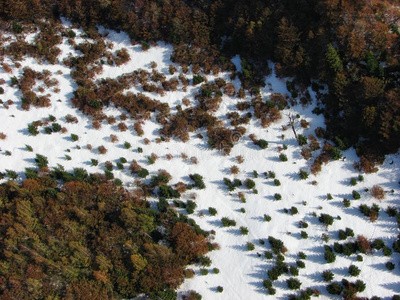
column 134, row 167
column 378, row 192
column 229, row 89
column 138, row 128
column 2, row 136
column 169, row 156
column 180, row 187
column 184, row 156
column 304, row 123
column 64, row 130
column 366, row 164
column 123, row 117
column 122, row 126
column 113, row 138
column 235, row 170
column 194, row 160
column 306, row 153
column 96, row 124
column 111, row 120
column 71, row 119
column 239, row 159
column 363, row 244
column 186, row 101
column 316, row 167
column 154, row 156
column 102, row 149
column 265, row 122
column 89, row 147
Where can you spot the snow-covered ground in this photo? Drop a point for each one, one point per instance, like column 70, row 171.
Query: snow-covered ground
column 241, row 271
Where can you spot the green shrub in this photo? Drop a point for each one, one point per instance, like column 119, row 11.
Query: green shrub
column 326, row 219
column 74, row 137
column 294, row 271
column 197, row 79
column 226, row 222
column 277, row 182
column 190, row 206
column 94, row 162
column 302, row 255
column 387, row 251
column 334, row 288
column 11, row 174
column 301, row 264
column 28, row 148
column 304, row 235
column 267, row 283
column 255, row 174
column 220, row 289
column 203, row 272
column 151, row 160
column 346, row 202
column 56, row 127
column 359, row 258
column 198, row 181
column 244, row 230
column 390, row 266
column 267, row 218
column 330, row 257
column 118, row 182
column 327, row 276
column 243, row 210
column 294, row 210
column 271, row 174
column 216, row 271
column 168, row 192
column 122, row 160
column 127, row 145
column 139, row 149
column 268, row 255
column 283, row 157
column 249, row 183
column 41, row 161
column 277, row 196
column 162, row 204
column 293, row 283
column 303, row 174
column 30, row 173
column 354, row 271
column 143, row 173
column 302, row 140
column 263, row 144
column 329, row 196
column 353, row 181
column 32, row 129
column 205, row 261
column 212, row 211
column 335, row 153
column 276, row 244
column 356, row 195
column 250, row 246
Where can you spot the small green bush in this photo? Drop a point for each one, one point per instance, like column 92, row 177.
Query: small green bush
column 278, row 196
column 293, row 283
column 263, row 144
column 301, row 264
column 294, row 271
column 334, row 288
column 74, row 137
column 302, row 140
column 226, row 222
column 143, row 173
column 250, row 246
column 268, row 255
column 94, row 162
column 303, row 174
column 267, row 218
column 353, row 181
column 304, row 235
column 330, row 257
column 220, row 289
column 354, row 271
column 249, row 183
column 356, row 195
column 212, row 211
column 203, row 272
column 327, row 276
column 127, row 145
column 277, row 182
column 283, row 157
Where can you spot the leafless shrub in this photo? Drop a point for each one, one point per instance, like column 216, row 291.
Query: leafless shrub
column 378, row 192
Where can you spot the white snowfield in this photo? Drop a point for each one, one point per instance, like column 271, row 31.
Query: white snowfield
column 241, row 271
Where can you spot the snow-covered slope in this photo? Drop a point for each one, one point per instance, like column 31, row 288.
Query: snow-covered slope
column 241, row 271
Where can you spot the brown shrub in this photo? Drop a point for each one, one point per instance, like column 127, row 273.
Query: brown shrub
column 320, row 132
column 194, row 160
column 96, row 125
column 306, row 153
column 134, row 167
column 366, row 164
column 89, row 147
column 171, row 69
column 274, row 114
column 138, row 128
column 184, row 155
column 229, row 89
column 2, row 136
column 265, row 122
column 304, row 123
column 146, row 141
column 189, row 273
column 180, row 187
column 71, row 119
column 363, row 244
column 316, row 167
column 111, row 120
column 235, row 170
column 154, row 156
column 122, row 126
column 64, row 130
column 186, row 101
column 102, row 149
column 123, row 117
column 169, row 156
column 239, row 159
column 113, row 138
column 378, row 192
column 7, row 68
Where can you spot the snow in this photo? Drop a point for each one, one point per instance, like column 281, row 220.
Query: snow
column 241, row 271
